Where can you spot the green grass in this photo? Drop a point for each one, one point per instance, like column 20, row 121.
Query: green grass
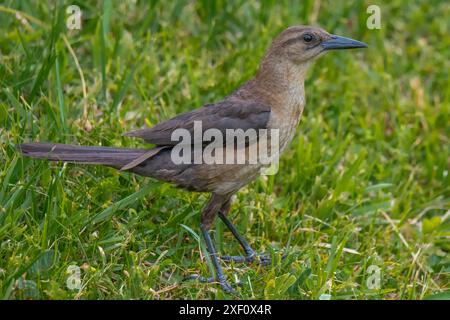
column 365, row 182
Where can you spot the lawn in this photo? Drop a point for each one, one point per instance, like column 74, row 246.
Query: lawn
column 361, row 203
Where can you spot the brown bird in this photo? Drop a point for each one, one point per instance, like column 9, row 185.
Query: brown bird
column 274, row 99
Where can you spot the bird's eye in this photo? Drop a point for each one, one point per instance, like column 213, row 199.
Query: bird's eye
column 307, row 37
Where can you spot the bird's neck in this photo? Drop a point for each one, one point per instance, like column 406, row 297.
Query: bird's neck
column 280, row 85
column 278, row 82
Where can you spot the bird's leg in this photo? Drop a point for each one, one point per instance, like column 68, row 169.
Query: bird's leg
column 215, row 261
column 208, row 216
column 250, row 254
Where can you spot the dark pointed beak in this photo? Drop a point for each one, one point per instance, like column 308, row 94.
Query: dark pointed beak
column 338, row 43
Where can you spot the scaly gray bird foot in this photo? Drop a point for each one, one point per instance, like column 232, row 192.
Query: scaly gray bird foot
column 264, row 260
column 226, row 286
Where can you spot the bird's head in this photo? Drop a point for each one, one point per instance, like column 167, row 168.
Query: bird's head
column 302, row 44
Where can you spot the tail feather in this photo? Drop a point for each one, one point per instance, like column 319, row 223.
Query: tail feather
column 115, row 157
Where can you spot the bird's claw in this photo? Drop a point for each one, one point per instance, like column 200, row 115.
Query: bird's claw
column 226, row 286
column 199, row 278
column 263, row 259
column 238, row 259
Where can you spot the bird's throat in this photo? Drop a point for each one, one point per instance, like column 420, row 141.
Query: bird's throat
column 281, row 85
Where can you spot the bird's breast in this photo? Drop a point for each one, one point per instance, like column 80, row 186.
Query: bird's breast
column 286, row 114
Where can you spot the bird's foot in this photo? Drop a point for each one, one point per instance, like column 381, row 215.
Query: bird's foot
column 226, row 286
column 262, row 259
column 199, row 278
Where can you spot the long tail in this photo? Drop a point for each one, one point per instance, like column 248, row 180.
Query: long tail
column 114, row 157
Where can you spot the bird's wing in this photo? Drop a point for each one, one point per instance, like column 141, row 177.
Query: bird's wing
column 227, row 114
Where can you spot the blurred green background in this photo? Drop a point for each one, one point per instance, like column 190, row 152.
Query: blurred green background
column 364, row 183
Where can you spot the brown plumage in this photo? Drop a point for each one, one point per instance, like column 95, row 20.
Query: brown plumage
column 273, row 99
